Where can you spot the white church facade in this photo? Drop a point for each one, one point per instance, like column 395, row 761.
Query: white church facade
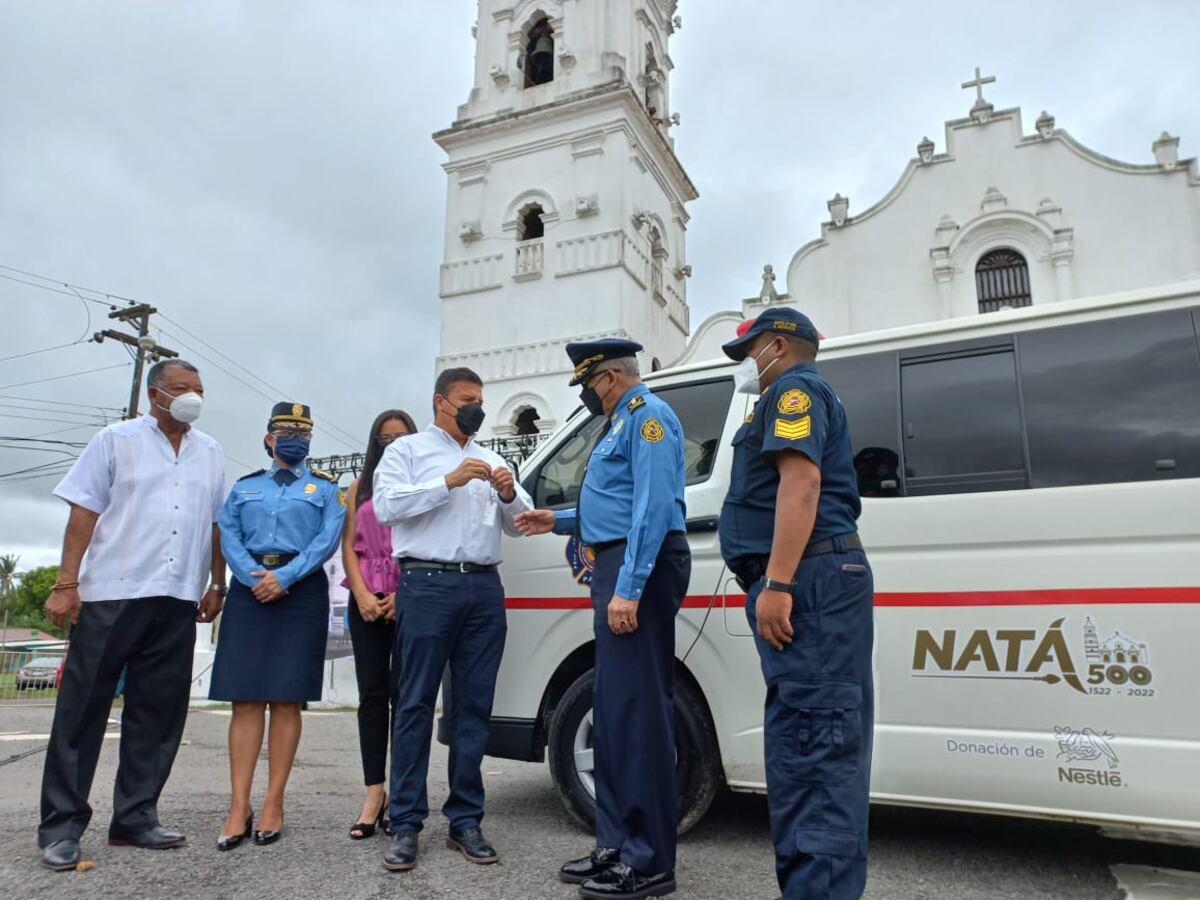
column 565, row 207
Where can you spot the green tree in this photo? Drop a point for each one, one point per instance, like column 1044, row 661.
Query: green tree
column 8, row 573
column 25, row 603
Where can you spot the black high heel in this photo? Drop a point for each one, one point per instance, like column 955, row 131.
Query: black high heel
column 230, row 841
column 262, row 838
column 368, row 829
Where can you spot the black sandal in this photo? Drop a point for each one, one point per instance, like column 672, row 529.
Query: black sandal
column 360, row 831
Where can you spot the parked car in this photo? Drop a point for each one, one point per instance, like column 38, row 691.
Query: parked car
column 38, row 673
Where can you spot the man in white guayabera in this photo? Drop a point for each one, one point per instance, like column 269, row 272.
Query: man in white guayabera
column 141, row 545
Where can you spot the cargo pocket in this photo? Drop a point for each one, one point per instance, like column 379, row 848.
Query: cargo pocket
column 821, row 730
column 827, row 841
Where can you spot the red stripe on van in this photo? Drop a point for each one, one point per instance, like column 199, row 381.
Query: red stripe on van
column 1061, row 597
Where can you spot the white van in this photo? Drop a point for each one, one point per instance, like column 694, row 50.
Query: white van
column 1031, row 485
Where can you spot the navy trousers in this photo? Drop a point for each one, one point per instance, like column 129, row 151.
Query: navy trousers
column 634, row 711
column 456, row 618
column 818, row 728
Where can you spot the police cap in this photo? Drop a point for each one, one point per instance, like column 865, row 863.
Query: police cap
column 586, row 355
column 776, row 320
column 290, row 414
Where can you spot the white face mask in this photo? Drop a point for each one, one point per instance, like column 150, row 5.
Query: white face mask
column 746, row 377
column 186, row 407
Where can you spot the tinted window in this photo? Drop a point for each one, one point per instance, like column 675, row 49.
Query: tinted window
column 961, row 421
column 1113, row 401
column 867, row 387
column 702, row 409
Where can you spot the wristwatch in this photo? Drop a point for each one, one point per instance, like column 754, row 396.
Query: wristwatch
column 770, row 584
column 219, row 588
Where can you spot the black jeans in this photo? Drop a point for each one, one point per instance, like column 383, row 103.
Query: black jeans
column 153, row 639
column 377, row 671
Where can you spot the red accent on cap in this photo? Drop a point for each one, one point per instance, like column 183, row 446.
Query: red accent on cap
column 744, row 327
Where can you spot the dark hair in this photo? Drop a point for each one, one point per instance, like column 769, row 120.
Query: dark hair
column 450, row 377
column 375, row 452
column 158, row 371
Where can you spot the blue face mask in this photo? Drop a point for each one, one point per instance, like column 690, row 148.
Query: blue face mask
column 292, row 450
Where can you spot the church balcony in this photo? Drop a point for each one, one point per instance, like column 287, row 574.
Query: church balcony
column 530, row 260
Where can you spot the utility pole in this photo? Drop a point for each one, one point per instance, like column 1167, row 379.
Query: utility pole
column 139, row 314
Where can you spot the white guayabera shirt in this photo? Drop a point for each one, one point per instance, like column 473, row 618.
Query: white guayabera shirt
column 157, row 509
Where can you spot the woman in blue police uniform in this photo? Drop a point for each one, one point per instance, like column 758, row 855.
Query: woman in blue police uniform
column 631, row 513
column 278, row 527
column 788, row 534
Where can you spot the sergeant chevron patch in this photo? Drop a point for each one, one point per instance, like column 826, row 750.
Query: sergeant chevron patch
column 793, row 431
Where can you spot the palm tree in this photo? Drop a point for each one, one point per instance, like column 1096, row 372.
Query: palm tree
column 8, row 573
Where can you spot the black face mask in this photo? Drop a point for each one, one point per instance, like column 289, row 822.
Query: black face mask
column 468, row 417
column 592, row 401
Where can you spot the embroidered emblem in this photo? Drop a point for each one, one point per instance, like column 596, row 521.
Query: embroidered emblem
column 636, row 403
column 310, row 488
column 749, row 418
column 783, row 325
column 582, row 560
column 341, row 494
column 587, row 363
column 794, row 402
column 297, row 410
column 652, row 431
column 793, row 431
column 616, row 428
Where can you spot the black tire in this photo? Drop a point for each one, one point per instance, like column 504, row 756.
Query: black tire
column 698, row 772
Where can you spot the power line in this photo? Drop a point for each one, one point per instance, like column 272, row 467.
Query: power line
column 51, row 421
column 52, row 290
column 38, row 440
column 34, row 477
column 81, row 416
column 49, row 465
column 5, row 387
column 36, row 352
column 109, row 297
column 61, row 402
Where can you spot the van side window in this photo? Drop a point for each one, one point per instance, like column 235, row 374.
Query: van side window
column 1113, row 401
column 558, row 480
column 961, row 419
column 702, row 408
column 869, row 390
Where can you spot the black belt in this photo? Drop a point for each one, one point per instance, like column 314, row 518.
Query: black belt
column 605, row 545
column 444, row 566
column 753, row 568
column 273, row 560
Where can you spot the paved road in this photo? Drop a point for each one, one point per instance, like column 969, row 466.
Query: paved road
column 914, row 854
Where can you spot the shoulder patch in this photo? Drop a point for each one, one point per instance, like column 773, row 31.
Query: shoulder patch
column 252, row 475
column 320, row 474
column 636, row 403
column 794, row 402
column 652, row 431
column 793, row 431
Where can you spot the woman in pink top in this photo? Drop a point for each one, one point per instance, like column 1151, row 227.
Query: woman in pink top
column 371, row 576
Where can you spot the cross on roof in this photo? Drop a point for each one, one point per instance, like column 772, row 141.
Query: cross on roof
column 978, row 84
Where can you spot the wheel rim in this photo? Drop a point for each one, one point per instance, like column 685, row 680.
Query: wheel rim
column 584, row 755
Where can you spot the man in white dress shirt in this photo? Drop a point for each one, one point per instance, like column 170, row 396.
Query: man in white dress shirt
column 140, row 546
column 447, row 500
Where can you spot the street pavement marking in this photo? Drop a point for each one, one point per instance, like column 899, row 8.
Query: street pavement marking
column 1152, row 883
column 45, row 737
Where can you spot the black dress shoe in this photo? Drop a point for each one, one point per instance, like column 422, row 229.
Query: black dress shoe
column 61, row 856
column 156, row 838
column 627, row 883
column 262, row 838
column 471, row 843
column 401, row 854
column 229, row 841
column 577, row 871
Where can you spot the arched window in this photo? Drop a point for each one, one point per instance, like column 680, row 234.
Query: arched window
column 655, row 365
column 526, row 421
column 539, row 54
column 530, row 225
column 1002, row 280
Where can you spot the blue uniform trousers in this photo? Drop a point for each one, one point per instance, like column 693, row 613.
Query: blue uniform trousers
column 444, row 617
column 634, row 712
column 818, row 728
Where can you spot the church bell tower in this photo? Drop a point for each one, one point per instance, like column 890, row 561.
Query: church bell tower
column 565, row 215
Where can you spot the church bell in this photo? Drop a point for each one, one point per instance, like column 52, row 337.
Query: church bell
column 543, row 51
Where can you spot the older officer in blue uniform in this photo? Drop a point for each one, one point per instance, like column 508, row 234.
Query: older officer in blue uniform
column 788, row 533
column 278, row 527
column 631, row 513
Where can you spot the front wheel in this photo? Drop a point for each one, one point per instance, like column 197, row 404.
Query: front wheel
column 570, row 742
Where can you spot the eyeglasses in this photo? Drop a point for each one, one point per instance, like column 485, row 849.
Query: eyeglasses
column 292, row 432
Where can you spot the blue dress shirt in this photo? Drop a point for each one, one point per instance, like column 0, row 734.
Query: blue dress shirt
column 262, row 516
column 633, row 487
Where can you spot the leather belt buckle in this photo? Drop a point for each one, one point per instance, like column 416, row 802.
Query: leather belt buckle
column 271, row 559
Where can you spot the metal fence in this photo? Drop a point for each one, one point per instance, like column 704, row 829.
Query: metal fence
column 30, row 676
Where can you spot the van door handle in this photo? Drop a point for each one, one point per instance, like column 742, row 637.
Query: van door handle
column 1164, row 465
column 908, row 429
column 708, row 524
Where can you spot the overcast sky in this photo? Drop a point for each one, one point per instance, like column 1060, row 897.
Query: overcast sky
column 263, row 173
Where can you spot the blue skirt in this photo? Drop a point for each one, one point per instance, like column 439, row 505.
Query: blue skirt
column 273, row 651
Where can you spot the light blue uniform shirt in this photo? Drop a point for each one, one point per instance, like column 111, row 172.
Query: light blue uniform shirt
column 261, row 516
column 633, row 488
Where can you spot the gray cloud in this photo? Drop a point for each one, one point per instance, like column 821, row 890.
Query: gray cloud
column 263, row 172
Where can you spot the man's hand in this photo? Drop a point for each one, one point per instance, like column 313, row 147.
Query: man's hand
column 267, row 590
column 387, row 608
column 63, row 607
column 467, row 471
column 210, row 606
column 534, row 521
column 502, row 480
column 622, row 615
column 774, row 613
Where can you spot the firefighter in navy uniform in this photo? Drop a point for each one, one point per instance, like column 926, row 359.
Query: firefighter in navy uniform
column 788, row 534
column 631, row 514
